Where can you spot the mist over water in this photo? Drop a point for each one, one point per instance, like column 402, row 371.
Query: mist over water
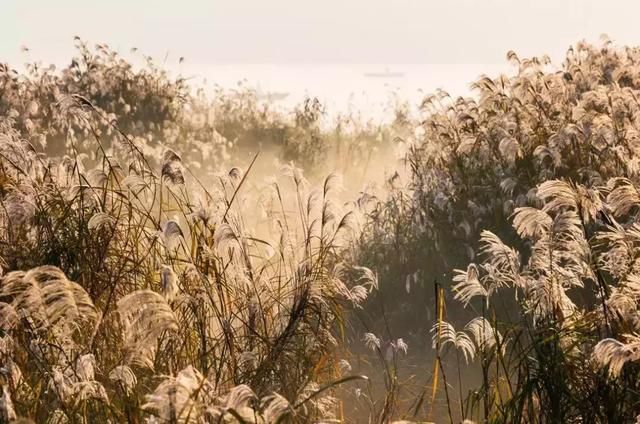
column 365, row 89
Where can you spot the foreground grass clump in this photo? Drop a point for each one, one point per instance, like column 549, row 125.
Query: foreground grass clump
column 572, row 301
column 553, row 150
column 133, row 292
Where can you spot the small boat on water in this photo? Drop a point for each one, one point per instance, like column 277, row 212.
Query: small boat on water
column 385, row 74
column 271, row 96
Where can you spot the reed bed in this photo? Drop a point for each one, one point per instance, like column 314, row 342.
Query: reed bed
column 169, row 257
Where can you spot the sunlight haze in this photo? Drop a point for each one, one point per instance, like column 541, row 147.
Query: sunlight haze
column 317, row 48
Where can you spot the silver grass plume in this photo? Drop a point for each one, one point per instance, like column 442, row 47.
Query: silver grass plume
column 484, row 335
column 235, row 175
column 125, row 377
column 135, row 183
column 613, row 354
column 275, row 407
column 85, row 390
column 100, row 220
column 238, row 401
column 172, row 169
column 182, row 399
column 332, row 183
column 309, row 399
column 504, row 261
column 371, row 341
column 531, row 222
column 76, row 384
column 168, row 283
column 447, row 334
column 224, row 237
column 7, row 412
column 45, row 296
column 145, row 316
column 170, row 233
column 623, row 196
column 560, row 195
column 467, row 285
column 20, row 207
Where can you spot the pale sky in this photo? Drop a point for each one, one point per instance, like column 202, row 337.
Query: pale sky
column 323, row 47
column 321, row 31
